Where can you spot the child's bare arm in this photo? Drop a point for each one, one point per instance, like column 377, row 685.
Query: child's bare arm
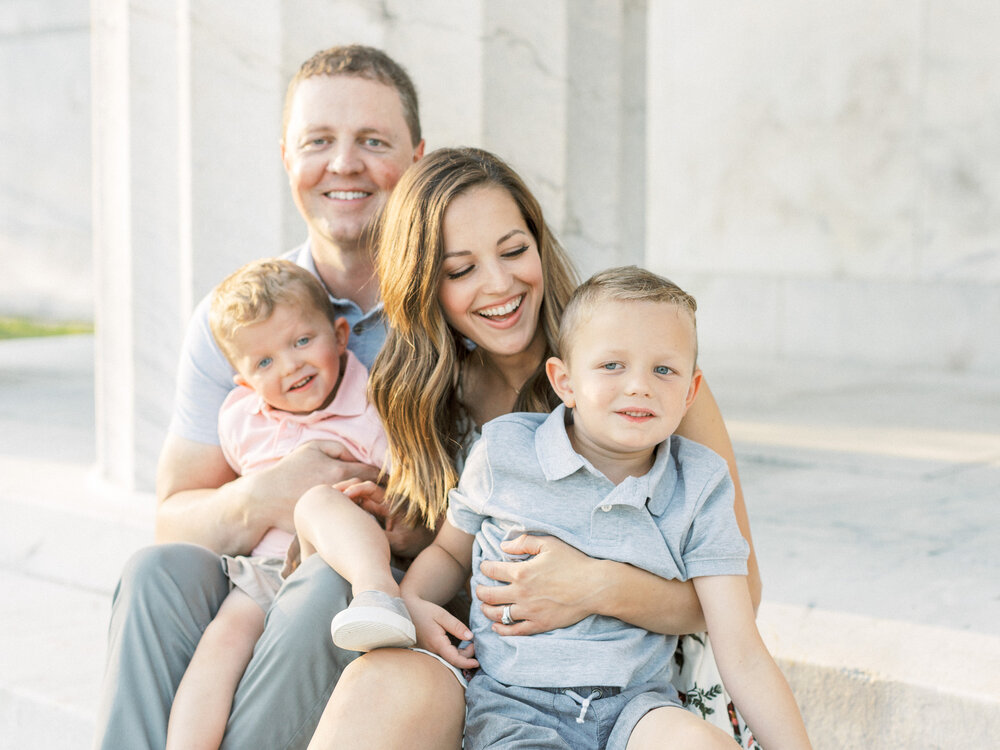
column 441, row 570
column 432, row 580
column 750, row 675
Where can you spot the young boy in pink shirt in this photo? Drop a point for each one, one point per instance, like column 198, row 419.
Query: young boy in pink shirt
column 296, row 382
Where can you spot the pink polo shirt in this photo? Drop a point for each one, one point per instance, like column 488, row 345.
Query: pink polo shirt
column 254, row 436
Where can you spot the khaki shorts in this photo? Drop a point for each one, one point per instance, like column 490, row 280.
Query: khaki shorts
column 258, row 577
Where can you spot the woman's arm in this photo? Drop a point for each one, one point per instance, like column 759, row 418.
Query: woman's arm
column 703, row 424
column 560, row 585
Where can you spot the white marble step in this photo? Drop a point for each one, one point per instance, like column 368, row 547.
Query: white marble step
column 62, row 546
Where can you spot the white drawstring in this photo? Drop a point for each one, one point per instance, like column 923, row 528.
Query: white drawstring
column 584, row 702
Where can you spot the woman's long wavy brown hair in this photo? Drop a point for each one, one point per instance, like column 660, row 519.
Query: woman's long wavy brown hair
column 414, row 378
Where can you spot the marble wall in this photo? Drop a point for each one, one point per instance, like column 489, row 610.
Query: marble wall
column 45, row 247
column 188, row 180
column 823, row 176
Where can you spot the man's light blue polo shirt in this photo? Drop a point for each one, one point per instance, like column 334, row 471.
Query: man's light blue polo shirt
column 205, row 377
column 676, row 521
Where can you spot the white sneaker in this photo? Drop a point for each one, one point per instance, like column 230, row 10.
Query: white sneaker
column 373, row 620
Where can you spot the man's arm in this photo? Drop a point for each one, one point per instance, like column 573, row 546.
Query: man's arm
column 202, row 500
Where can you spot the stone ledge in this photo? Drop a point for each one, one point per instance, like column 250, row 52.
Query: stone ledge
column 875, row 683
column 33, row 721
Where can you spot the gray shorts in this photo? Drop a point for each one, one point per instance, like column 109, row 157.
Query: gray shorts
column 508, row 716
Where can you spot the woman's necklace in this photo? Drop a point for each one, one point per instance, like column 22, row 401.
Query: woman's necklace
column 487, row 365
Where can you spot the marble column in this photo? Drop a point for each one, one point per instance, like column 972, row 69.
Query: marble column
column 565, row 103
column 187, row 185
column 188, row 181
column 136, row 231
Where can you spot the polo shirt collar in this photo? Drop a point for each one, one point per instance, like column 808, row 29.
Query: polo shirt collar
column 553, row 448
column 304, row 257
column 660, row 479
column 558, row 460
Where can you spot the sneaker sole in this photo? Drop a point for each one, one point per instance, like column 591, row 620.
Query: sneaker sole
column 368, row 628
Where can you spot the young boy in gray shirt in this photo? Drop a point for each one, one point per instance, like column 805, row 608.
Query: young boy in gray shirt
column 605, row 474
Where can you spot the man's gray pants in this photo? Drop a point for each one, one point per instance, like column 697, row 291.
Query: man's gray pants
column 166, row 597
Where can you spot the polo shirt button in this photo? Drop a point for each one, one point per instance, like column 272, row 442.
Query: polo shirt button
column 605, row 508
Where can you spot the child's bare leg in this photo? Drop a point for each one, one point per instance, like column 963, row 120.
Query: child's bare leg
column 205, row 695
column 348, row 538
column 682, row 727
column 351, row 542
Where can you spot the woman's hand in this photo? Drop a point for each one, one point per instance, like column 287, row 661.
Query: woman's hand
column 560, row 586
column 367, row 495
column 404, row 540
column 550, row 590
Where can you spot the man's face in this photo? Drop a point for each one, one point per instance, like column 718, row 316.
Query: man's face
column 345, row 147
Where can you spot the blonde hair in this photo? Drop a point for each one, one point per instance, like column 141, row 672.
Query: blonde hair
column 414, row 379
column 361, row 62
column 622, row 284
column 250, row 294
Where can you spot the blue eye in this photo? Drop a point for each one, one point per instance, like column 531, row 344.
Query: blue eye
column 302, row 341
column 662, row 370
column 373, row 142
column 611, row 365
column 264, row 363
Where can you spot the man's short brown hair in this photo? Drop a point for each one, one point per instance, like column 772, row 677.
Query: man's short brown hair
column 362, row 62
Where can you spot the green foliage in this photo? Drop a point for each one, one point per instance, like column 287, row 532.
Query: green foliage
column 698, row 698
column 17, row 328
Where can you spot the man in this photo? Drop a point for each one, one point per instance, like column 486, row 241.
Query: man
column 351, row 128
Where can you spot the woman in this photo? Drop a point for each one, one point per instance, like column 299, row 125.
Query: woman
column 473, row 285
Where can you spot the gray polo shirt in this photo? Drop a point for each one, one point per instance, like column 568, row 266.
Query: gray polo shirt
column 676, row 521
column 205, row 377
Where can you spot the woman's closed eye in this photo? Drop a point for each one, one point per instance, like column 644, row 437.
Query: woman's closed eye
column 459, row 273
column 516, row 252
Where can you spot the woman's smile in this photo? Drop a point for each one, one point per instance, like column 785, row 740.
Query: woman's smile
column 491, row 283
column 502, row 310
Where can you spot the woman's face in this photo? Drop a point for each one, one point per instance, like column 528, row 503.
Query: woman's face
column 491, row 282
